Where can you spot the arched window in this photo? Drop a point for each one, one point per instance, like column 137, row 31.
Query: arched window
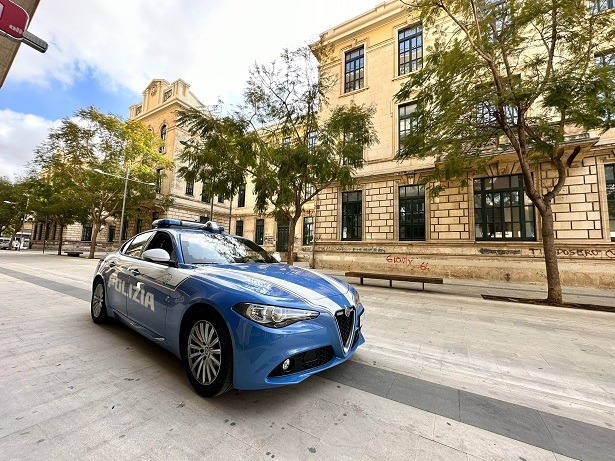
column 163, row 132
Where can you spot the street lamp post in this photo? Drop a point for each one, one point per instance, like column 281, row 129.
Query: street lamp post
column 123, row 207
column 126, row 179
column 23, row 222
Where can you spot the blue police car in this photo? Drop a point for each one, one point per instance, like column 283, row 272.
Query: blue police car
column 233, row 314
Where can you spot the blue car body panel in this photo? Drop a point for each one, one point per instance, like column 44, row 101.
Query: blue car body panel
column 153, row 299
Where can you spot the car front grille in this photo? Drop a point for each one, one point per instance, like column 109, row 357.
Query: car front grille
column 346, row 324
column 305, row 361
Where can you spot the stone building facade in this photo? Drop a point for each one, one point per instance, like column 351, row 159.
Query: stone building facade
column 267, row 232
column 487, row 230
column 157, row 110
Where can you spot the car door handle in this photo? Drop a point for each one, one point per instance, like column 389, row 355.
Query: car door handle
column 112, row 264
column 135, row 272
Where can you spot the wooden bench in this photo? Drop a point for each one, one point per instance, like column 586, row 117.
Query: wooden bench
column 391, row 277
column 73, row 253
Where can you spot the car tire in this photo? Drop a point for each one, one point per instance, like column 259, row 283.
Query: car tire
column 98, row 307
column 207, row 353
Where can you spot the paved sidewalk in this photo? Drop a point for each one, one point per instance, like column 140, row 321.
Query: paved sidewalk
column 444, row 375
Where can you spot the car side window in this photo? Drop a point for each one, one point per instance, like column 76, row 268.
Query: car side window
column 135, row 247
column 164, row 241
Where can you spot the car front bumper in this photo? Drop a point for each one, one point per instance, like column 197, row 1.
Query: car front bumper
column 259, row 351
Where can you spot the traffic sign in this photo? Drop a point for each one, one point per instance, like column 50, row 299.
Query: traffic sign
column 13, row 23
column 13, row 20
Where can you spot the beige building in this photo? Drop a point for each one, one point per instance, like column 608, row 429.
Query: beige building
column 488, row 230
column 181, row 199
column 157, row 111
column 268, row 233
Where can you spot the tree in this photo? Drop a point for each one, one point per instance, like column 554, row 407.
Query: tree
column 279, row 140
column 12, row 205
column 522, row 72
column 89, row 143
column 53, row 201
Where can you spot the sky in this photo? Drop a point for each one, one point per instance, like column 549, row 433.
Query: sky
column 104, row 53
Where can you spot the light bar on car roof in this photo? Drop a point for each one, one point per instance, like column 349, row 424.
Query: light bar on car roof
column 167, row 223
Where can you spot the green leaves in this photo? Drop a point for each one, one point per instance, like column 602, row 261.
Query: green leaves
column 507, row 75
column 270, row 139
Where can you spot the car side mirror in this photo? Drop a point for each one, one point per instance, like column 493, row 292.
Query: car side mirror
column 157, row 255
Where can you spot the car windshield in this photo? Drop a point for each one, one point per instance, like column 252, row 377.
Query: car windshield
column 203, row 248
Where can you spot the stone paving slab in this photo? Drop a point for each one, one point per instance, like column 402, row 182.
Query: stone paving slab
column 74, row 390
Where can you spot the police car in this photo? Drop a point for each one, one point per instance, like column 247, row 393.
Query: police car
column 233, row 314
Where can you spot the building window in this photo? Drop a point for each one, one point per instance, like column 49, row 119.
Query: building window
column 158, row 180
column 309, row 192
column 502, row 211
column 155, row 216
column 220, row 198
column 412, row 212
column 281, row 243
column 487, row 112
column 163, row 133
column 606, row 60
column 139, row 228
column 166, row 95
column 407, row 120
column 138, row 110
column 312, row 139
column 410, row 49
column 203, row 219
column 125, row 230
column 241, row 196
column 111, row 235
column 55, row 231
column 259, row 233
column 308, row 230
column 86, row 233
column 603, row 5
column 204, row 195
column 354, row 73
column 352, row 214
column 610, row 194
column 239, row 228
column 190, row 188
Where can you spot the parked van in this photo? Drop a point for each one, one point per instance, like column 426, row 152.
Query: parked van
column 5, row 243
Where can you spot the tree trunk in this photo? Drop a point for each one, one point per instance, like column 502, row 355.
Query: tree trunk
column 61, row 239
column 554, row 284
column 95, row 230
column 291, row 241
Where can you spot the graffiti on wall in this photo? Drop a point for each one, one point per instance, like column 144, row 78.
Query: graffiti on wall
column 579, row 253
column 351, row 249
column 406, row 261
column 489, row 251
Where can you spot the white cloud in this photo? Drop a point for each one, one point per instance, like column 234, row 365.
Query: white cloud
column 209, row 44
column 20, row 134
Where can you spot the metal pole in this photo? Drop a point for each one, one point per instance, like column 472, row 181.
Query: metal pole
column 123, row 207
column 313, row 260
column 230, row 214
column 211, row 211
column 23, row 223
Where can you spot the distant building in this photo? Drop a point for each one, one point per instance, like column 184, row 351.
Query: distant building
column 157, row 111
column 186, row 200
column 488, row 230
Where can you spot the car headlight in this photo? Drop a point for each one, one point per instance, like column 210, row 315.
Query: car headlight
column 273, row 316
column 357, row 299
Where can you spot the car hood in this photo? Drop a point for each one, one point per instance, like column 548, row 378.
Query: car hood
column 281, row 281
